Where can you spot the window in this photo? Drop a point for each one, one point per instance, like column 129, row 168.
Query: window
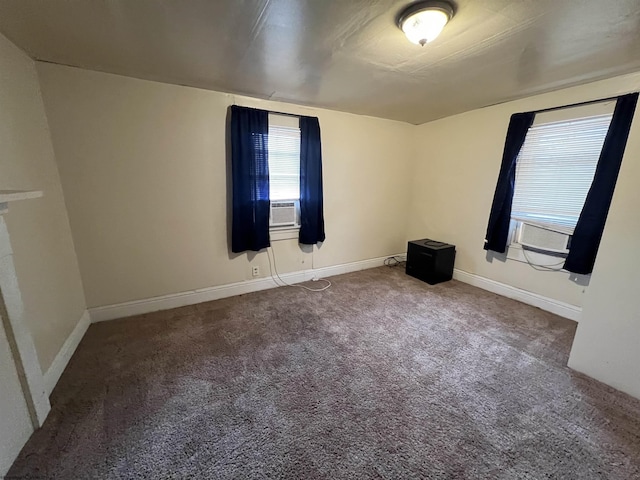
column 284, row 158
column 261, row 210
column 554, row 172
column 555, row 169
column 284, row 171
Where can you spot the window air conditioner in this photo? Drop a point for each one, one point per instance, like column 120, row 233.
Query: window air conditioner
column 284, row 214
column 543, row 239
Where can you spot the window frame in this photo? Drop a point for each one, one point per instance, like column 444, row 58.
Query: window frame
column 516, row 250
column 284, row 232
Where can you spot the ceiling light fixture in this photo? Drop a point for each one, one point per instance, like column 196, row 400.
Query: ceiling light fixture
column 423, row 21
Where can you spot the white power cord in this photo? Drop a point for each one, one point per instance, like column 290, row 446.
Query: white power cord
column 274, row 267
column 542, row 268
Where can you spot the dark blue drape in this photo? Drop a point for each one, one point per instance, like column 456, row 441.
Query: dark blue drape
column 311, row 216
column 500, row 216
column 250, row 176
column 588, row 231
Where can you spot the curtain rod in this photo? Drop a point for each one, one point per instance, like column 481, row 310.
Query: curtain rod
column 580, row 104
column 285, row 114
column 264, row 109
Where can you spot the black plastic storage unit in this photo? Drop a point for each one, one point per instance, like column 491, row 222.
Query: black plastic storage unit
column 430, row 261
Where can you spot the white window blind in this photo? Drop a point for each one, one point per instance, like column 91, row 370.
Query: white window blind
column 555, row 169
column 284, row 162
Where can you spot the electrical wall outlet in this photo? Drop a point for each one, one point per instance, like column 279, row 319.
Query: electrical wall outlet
column 255, row 270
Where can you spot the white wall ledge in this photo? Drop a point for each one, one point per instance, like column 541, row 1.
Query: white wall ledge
column 7, row 196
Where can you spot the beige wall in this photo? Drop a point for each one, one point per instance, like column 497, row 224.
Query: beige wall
column 607, row 343
column 454, row 177
column 44, row 254
column 143, row 166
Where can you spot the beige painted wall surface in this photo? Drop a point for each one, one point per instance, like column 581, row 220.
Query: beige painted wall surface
column 44, row 254
column 607, row 343
column 143, row 166
column 455, row 175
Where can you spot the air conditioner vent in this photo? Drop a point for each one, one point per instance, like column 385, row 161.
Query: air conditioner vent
column 543, row 239
column 284, row 214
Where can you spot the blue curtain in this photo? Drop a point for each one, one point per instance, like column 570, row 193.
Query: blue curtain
column 311, row 216
column 588, row 231
column 500, row 216
column 250, row 177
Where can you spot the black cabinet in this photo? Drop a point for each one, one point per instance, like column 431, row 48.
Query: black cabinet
column 430, row 261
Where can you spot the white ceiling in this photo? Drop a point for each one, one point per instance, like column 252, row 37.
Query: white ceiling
column 340, row 54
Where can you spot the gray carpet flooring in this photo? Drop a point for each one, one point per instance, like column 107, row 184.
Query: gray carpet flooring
column 381, row 376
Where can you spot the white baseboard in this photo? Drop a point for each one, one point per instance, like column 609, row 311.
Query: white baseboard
column 66, row 352
column 562, row 309
column 174, row 300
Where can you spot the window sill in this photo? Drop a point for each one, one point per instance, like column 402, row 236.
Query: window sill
column 276, row 234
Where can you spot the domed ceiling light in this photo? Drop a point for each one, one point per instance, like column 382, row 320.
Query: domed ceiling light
column 423, row 21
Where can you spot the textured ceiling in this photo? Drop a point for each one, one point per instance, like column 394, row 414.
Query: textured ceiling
column 340, row 54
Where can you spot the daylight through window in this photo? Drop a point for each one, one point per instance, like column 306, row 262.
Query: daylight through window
column 284, row 160
column 555, row 169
